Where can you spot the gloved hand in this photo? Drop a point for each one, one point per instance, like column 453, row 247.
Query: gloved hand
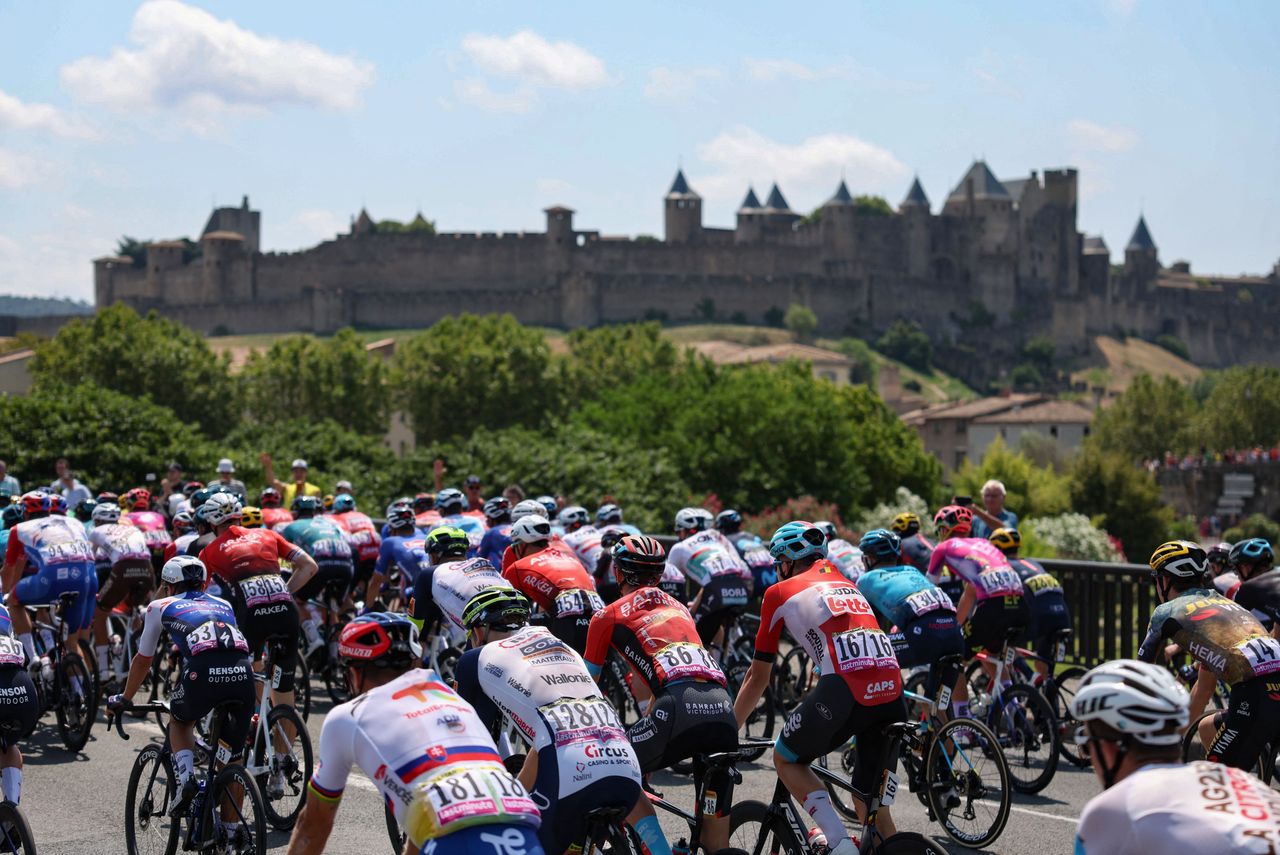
column 116, row 703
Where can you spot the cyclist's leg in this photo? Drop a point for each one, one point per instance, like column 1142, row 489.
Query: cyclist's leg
column 110, row 596
column 36, row 588
column 1236, row 735
column 21, row 712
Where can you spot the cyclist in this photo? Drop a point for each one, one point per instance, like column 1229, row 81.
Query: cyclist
column 655, row 635
column 361, row 533
column 524, row 508
column 444, row 589
column 753, row 551
column 1218, row 559
column 711, row 562
column 1046, row 603
column 580, row 536
column 497, row 513
column 424, row 506
column 579, row 758
column 152, row 524
column 58, row 559
column 83, row 511
column 422, row 746
column 1132, row 715
column 124, row 550
column 902, row 597
column 918, row 549
column 327, row 545
column 184, row 531
column 452, row 505
column 215, row 667
column 19, row 712
column 403, row 548
column 1259, row 587
column 859, row 692
column 840, row 552
column 247, row 563
column 251, row 516
column 550, row 576
column 609, row 518
column 274, row 516
column 1228, row 643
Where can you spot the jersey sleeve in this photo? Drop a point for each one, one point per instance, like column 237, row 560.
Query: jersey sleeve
column 151, row 627
column 15, row 549
column 770, row 631
column 425, row 608
column 469, row 689
column 599, row 637
column 335, row 756
column 1104, row 826
column 284, row 548
column 936, row 559
column 385, row 552
column 1150, row 646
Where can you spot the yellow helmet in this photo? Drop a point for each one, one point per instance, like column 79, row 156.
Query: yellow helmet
column 1006, row 539
column 905, row 523
column 328, row 501
column 251, row 517
column 1181, row 559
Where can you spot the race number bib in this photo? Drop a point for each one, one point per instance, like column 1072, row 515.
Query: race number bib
column 683, row 660
column 260, row 590
column 579, row 602
column 331, row 549
column 157, row 538
column 11, row 652
column 581, row 720
column 215, row 635
column 1003, row 582
column 457, row 797
column 857, row 649
column 1262, row 652
column 929, row 600
column 1042, row 583
column 590, row 744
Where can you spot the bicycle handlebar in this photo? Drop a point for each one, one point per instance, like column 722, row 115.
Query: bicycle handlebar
column 116, row 720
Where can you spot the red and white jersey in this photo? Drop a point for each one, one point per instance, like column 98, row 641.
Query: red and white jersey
column 979, row 563
column 556, row 582
column 153, row 527
column 361, row 535
column 116, row 542
column 706, row 555
column 836, row 626
column 585, row 544
column 49, row 542
column 179, row 545
column 276, row 519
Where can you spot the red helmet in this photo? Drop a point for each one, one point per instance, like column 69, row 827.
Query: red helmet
column 270, row 498
column 382, row 639
column 639, row 559
column 955, row 519
column 35, row 504
column 138, row 499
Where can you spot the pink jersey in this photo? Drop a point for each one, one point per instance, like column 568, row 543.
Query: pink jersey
column 979, row 563
column 153, row 527
column 361, row 534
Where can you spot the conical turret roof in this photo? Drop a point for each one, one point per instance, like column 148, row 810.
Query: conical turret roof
column 842, row 195
column 1141, row 240
column 751, row 203
column 776, row 200
column 364, row 223
column 916, row 196
column 680, row 187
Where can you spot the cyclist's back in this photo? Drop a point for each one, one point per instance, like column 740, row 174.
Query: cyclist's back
column 128, row 558
column 154, row 528
column 445, row 589
column 59, row 560
column 712, row 563
column 754, row 552
column 1000, row 605
column 585, row 544
column 1261, row 595
column 562, row 588
column 328, row 546
column 1047, row 604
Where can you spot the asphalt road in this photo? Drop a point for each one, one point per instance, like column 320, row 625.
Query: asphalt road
column 75, row 803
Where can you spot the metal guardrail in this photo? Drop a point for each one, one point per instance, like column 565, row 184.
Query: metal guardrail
column 1110, row 605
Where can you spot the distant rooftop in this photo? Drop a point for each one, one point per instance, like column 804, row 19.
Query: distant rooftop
column 985, row 184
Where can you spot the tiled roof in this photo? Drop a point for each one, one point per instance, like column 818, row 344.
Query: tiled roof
column 1059, row 412
column 985, row 184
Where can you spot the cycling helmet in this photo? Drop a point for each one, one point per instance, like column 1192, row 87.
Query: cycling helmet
column 399, row 515
column 1181, row 559
column 608, row 514
column 184, row 522
column 105, row 514
column 905, row 524
column 548, row 504
column 447, row 542
column 84, row 509
column 498, row 509
column 450, row 501
column 183, row 568
column 526, row 507
column 343, row 503
column 497, row 607
column 251, row 517
column 11, row 515
column 35, row 504
column 881, row 543
column 199, row 497
column 692, row 519
column 531, row 529
column 306, row 505
column 1006, row 539
column 1141, row 700
column 327, row 503
column 58, row 504
column 220, row 508
column 1219, row 553
column 189, row 488
column 1255, row 550
column 138, row 499
column 574, row 517
column 729, row 521
column 797, row 540
column 107, row 496
column 270, row 498
column 424, row 502
column 381, row 639
column 828, row 528
column 639, row 560
column 953, row 519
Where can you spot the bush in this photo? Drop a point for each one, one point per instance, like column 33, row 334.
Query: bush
column 1255, row 525
column 906, row 342
column 1030, row 491
column 1069, row 536
column 805, row 508
column 1174, row 345
column 864, row 359
column 903, row 501
column 1184, row 528
column 801, row 321
column 774, row 317
column 1126, row 499
column 1025, row 377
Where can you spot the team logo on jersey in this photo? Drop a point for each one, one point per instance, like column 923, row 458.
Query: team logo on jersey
column 452, row 722
column 437, row 753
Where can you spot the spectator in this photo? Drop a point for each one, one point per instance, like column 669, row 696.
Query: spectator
column 172, row 483
column 8, row 484
column 67, row 486
column 475, row 500
column 343, row 487
column 226, row 469
column 299, row 484
column 514, row 494
column 993, row 514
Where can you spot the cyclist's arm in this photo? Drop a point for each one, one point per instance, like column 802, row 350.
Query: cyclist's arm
column 141, row 664
column 967, row 599
column 599, row 633
column 304, row 566
column 315, row 824
column 15, row 561
column 334, row 760
column 767, row 638
column 467, row 680
column 1150, row 645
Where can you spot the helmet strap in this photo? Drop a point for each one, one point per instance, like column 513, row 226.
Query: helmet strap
column 1109, row 773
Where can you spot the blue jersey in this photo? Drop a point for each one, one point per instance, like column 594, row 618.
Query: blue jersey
column 6, row 623
column 196, row 622
column 405, row 551
column 495, row 543
column 902, row 594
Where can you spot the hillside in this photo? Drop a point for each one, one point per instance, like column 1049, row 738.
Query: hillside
column 32, row 307
column 1125, row 360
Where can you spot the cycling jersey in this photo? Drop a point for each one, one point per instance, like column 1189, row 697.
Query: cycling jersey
column 674, row 583
column 116, row 542
column 323, row 540
column 656, row 635
column 494, row 543
column 153, row 526
column 429, row 755
column 705, row 555
column 902, row 594
column 407, row 552
column 585, row 545
column 846, row 557
column 124, row 551
column 1261, row 595
column 180, row 545
column 445, row 589
column 19, row 704
column 427, row 520
column 1219, row 634
column 59, row 561
column 836, row 626
column 1173, row 807
column 979, row 563
column 197, row 624
column 556, row 582
column 241, row 553
column 276, row 519
column 755, row 554
column 361, row 534
column 916, row 551
column 1048, row 606
column 1227, row 583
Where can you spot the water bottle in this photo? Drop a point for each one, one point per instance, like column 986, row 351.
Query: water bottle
column 978, row 705
column 817, row 840
column 115, row 656
column 681, row 847
column 46, row 670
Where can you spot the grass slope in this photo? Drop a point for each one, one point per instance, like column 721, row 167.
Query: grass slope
column 1126, row 359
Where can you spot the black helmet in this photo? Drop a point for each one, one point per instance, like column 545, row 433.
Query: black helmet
column 729, row 521
column 306, row 506
column 639, row 560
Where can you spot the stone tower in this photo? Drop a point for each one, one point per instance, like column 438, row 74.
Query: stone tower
column 915, row 216
column 242, row 221
column 837, row 226
column 683, row 212
column 1141, row 259
column 750, row 219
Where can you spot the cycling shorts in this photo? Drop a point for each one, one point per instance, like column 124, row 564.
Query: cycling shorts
column 685, row 719
column 44, row 588
column 992, row 620
column 571, row 629
column 277, row 622
column 103, row 572
column 925, row 641
column 1252, row 717
column 497, row 839
column 1042, row 631
column 562, row 816
column 827, row 718
column 332, row 581
column 132, row 579
column 209, row 679
column 19, row 706
column 724, row 599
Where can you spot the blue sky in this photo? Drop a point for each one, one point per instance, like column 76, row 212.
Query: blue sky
column 128, row 118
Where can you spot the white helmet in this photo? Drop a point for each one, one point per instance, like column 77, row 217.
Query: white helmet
column 526, row 507
column 220, row 508
column 693, row 519
column 105, row 513
column 532, row 528
column 574, row 515
column 1136, row 698
column 183, row 568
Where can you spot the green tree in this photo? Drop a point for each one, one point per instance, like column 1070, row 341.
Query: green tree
column 801, row 320
column 774, row 317
column 908, row 343
column 1242, row 410
column 1039, row 352
column 1025, row 378
column 311, row 378
column 1030, row 491
column 1255, row 525
column 1174, row 345
column 617, row 355
column 864, row 358
column 1122, row 498
column 466, row 371
column 1151, row 417
column 151, row 357
column 134, row 249
column 874, row 206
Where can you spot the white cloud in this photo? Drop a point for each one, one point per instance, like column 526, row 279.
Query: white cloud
column 811, row 167
column 529, row 58
column 20, row 116
column 477, row 92
column 770, row 70
column 676, row 85
column 21, row 170
column 1092, row 136
column 185, row 58
column 1121, row 8
column 51, row 264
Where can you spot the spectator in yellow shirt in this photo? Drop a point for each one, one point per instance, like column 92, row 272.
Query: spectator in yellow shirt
column 299, row 486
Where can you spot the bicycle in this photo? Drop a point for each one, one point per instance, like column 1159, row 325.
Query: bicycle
column 153, row 782
column 274, row 763
column 782, row 830
column 15, row 832
column 735, row 660
column 722, row 762
column 606, row 830
column 1194, row 749
column 324, row 662
column 64, row 681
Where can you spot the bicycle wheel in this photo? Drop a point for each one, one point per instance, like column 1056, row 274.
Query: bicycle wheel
column 908, row 843
column 148, row 830
column 967, row 782
column 762, row 720
column 75, row 708
column 791, row 678
column 393, row 830
column 15, row 834
column 1062, row 693
column 1192, row 748
column 287, row 765
column 239, row 821
column 302, row 687
column 916, row 683
column 840, row 762
column 1027, row 730
column 753, row 830
column 335, row 683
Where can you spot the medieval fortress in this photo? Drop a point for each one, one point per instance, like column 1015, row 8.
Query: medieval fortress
column 1002, row 261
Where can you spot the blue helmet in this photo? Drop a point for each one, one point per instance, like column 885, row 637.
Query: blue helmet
column 881, row 543
column 1255, row 550
column 548, row 502
column 797, row 540
column 344, row 502
column 729, row 521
